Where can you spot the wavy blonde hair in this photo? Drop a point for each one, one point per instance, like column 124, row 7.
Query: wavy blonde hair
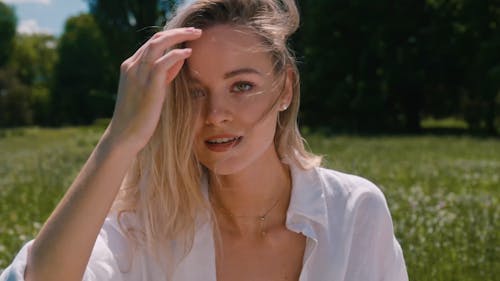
column 163, row 186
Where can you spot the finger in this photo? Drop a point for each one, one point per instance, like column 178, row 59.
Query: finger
column 139, row 52
column 169, row 65
column 143, row 47
column 133, row 60
column 166, row 40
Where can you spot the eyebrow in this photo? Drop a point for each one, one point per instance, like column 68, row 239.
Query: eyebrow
column 232, row 73
column 242, row 71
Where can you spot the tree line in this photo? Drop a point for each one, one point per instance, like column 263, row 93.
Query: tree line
column 366, row 66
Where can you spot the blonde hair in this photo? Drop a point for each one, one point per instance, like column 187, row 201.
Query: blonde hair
column 163, row 186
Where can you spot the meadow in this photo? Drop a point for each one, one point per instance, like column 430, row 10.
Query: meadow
column 443, row 192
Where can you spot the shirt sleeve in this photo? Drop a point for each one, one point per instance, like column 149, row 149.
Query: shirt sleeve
column 375, row 254
column 103, row 263
column 15, row 271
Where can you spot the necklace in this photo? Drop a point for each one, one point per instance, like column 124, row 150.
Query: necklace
column 261, row 218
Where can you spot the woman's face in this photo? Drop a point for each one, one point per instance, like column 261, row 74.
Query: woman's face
column 236, row 98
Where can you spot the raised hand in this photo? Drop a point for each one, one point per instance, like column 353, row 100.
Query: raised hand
column 61, row 251
column 143, row 85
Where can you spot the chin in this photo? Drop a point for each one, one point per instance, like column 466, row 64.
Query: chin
column 237, row 161
column 225, row 167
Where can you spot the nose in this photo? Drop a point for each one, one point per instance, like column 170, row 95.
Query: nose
column 218, row 110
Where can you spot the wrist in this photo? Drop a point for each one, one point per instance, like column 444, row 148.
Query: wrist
column 115, row 144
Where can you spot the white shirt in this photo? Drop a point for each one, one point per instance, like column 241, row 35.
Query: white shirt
column 345, row 218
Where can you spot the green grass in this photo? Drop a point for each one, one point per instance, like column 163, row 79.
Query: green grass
column 443, row 192
column 36, row 167
column 446, row 123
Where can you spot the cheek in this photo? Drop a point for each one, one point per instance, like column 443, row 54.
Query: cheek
column 258, row 110
column 198, row 124
column 246, row 112
column 261, row 129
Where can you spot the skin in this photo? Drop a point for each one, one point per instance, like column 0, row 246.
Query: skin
column 251, row 176
column 63, row 246
column 247, row 179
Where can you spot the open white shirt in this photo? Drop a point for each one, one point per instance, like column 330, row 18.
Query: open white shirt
column 345, row 218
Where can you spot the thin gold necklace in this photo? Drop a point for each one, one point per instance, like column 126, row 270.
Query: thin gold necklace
column 261, row 218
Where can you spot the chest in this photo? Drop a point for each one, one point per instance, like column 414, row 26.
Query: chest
column 277, row 259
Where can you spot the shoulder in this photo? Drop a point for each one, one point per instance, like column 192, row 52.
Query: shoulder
column 351, row 192
column 347, row 185
column 340, row 192
column 360, row 225
column 356, row 206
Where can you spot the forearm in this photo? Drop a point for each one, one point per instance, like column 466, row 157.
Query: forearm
column 62, row 248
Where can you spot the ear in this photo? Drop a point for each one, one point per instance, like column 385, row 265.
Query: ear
column 286, row 97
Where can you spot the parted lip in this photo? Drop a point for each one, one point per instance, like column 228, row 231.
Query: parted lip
column 222, row 142
column 220, row 137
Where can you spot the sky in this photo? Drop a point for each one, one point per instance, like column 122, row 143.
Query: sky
column 45, row 16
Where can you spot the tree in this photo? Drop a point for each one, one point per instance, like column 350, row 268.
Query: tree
column 15, row 101
column 32, row 64
column 78, row 94
column 33, row 58
column 127, row 24
column 383, row 65
column 343, row 49
column 26, row 64
column 478, row 25
column 8, row 23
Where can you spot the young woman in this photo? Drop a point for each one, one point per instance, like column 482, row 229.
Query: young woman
column 202, row 173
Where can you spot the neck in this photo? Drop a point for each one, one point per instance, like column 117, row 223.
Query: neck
column 261, row 189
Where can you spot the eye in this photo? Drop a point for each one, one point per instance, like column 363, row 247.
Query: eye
column 242, row 87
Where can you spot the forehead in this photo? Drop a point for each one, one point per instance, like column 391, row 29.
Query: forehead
column 225, row 48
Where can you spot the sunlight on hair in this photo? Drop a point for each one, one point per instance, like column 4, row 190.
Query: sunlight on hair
column 169, row 198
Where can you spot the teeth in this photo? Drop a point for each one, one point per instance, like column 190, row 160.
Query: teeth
column 222, row 140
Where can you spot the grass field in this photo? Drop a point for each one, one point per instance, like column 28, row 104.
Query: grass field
column 443, row 192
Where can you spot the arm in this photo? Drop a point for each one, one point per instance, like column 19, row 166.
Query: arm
column 63, row 247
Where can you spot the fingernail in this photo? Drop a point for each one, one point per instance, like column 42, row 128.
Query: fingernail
column 194, row 30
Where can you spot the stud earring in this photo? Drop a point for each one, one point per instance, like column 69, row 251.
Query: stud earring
column 284, row 107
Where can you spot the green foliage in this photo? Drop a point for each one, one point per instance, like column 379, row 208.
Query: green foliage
column 372, row 66
column 36, row 167
column 443, row 195
column 445, row 123
column 366, row 66
column 442, row 192
column 126, row 26
column 25, row 81
column 479, row 24
column 8, row 22
column 15, row 100
column 78, row 95
column 33, row 59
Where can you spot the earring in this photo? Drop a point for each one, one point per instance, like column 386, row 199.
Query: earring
column 284, row 107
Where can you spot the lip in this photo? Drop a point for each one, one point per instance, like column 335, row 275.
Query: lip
column 222, row 147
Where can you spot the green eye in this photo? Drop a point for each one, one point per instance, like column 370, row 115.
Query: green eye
column 243, row 87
